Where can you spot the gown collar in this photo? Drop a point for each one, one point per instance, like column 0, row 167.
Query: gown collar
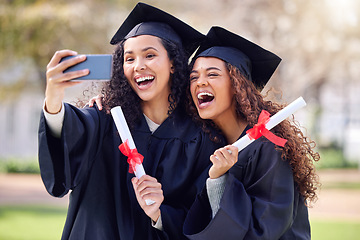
column 152, row 125
column 244, row 132
column 177, row 125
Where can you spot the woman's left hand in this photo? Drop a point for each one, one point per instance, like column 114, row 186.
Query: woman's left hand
column 223, row 159
column 148, row 187
column 98, row 100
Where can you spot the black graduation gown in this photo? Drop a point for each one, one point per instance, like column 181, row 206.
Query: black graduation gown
column 87, row 161
column 260, row 201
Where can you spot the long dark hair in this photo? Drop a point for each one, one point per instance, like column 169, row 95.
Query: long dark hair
column 298, row 150
column 118, row 91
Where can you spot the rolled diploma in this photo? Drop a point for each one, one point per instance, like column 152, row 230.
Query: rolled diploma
column 125, row 134
column 274, row 120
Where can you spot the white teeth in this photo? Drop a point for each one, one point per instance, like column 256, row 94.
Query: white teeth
column 200, row 95
column 142, row 79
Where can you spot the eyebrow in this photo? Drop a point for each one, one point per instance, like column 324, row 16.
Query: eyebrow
column 143, row 50
column 207, row 69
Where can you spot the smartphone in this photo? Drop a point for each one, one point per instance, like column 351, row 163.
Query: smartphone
column 100, row 66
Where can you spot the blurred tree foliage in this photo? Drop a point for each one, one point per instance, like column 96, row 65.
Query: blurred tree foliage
column 32, row 30
column 37, row 28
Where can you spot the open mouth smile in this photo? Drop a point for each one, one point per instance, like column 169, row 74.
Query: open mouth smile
column 204, row 98
column 144, row 80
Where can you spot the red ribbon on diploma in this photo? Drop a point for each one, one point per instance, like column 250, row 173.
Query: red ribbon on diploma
column 259, row 130
column 134, row 157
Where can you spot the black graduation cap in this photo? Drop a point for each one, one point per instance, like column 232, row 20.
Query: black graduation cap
column 254, row 62
column 148, row 20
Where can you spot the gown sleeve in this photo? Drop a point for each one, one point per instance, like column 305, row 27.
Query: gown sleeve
column 257, row 202
column 61, row 162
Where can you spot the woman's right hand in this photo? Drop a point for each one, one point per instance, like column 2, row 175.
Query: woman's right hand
column 57, row 81
column 223, row 159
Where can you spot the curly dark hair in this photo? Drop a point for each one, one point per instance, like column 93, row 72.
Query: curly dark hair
column 298, row 150
column 118, row 91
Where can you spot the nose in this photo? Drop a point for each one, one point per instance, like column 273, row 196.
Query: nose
column 140, row 64
column 201, row 81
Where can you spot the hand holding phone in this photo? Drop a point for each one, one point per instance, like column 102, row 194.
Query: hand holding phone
column 99, row 65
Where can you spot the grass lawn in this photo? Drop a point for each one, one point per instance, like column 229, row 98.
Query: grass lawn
column 46, row 223
column 333, row 229
column 31, row 222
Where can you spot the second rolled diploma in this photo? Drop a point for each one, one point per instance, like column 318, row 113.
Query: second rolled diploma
column 125, row 136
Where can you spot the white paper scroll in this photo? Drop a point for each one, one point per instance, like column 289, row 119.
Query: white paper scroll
column 274, row 120
column 125, row 134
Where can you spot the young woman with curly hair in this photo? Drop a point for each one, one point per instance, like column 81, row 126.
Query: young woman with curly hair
column 263, row 191
column 120, row 93
column 80, row 152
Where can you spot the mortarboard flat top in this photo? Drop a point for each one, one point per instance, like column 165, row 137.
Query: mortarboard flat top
column 148, row 20
column 254, row 62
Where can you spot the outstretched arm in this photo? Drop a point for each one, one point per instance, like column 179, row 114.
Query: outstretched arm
column 57, row 81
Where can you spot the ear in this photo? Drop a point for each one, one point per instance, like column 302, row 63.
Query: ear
column 172, row 69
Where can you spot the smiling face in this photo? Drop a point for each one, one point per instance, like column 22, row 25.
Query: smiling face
column 211, row 89
column 147, row 67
